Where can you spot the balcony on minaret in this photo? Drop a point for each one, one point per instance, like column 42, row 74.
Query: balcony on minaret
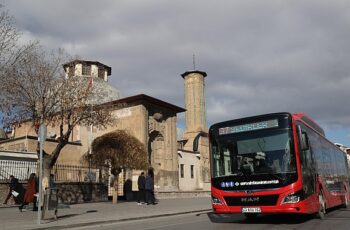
column 87, row 69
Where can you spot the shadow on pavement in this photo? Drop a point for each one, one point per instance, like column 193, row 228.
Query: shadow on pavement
column 62, row 217
column 260, row 219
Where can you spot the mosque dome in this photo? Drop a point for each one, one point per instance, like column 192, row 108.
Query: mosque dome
column 102, row 91
column 95, row 75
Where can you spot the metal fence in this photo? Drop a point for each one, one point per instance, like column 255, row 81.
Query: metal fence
column 63, row 173
column 19, row 169
column 72, row 173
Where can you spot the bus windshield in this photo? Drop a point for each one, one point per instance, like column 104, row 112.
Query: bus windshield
column 253, row 153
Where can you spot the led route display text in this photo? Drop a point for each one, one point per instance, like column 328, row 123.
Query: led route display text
column 249, row 127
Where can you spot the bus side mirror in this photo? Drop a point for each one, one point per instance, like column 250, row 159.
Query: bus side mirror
column 304, row 139
column 304, row 142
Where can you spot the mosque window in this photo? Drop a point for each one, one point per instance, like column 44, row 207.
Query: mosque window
column 182, row 170
column 192, row 171
column 101, row 73
column 71, row 71
column 86, row 70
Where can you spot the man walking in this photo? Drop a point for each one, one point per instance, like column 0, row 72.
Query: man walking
column 141, row 182
column 150, row 199
column 12, row 188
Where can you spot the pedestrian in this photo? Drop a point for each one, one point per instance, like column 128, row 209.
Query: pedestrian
column 141, row 183
column 12, row 189
column 52, row 183
column 149, row 186
column 30, row 194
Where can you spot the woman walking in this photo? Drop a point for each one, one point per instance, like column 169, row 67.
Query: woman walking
column 29, row 195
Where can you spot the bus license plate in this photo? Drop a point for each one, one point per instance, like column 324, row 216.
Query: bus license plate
column 251, row 210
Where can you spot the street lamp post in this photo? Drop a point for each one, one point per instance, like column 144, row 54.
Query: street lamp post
column 42, row 138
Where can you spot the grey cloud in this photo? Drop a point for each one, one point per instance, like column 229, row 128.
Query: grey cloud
column 260, row 56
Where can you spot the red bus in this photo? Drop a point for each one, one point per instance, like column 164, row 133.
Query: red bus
column 276, row 163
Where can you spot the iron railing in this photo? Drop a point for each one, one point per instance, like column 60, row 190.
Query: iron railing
column 63, row 173
column 19, row 169
column 73, row 173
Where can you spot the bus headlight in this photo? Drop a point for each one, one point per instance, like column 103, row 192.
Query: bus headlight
column 293, row 198
column 216, row 200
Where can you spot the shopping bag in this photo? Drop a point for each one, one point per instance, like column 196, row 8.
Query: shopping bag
column 14, row 193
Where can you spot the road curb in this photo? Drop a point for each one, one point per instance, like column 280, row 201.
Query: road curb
column 116, row 221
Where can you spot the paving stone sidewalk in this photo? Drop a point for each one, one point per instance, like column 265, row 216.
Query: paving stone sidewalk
column 98, row 213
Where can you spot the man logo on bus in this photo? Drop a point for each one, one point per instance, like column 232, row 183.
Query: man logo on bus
column 249, row 199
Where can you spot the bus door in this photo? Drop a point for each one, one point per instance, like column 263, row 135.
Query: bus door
column 306, row 161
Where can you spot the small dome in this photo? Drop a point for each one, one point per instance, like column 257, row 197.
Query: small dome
column 102, row 92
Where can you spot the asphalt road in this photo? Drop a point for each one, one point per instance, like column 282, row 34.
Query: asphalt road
column 337, row 219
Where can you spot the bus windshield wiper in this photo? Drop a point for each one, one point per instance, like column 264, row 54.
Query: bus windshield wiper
column 272, row 174
column 278, row 177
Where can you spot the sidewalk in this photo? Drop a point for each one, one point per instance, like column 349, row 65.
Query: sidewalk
column 99, row 213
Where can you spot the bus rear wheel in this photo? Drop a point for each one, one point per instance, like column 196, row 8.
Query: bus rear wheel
column 322, row 210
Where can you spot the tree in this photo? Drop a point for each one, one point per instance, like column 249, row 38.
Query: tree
column 10, row 49
column 36, row 90
column 119, row 150
column 8, row 36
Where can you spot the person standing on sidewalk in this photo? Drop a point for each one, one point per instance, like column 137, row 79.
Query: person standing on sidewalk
column 31, row 190
column 150, row 199
column 52, row 183
column 141, row 183
column 12, row 189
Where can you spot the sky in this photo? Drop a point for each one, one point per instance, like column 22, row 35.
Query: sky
column 260, row 56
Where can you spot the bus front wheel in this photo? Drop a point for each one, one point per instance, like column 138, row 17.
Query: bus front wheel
column 346, row 200
column 322, row 210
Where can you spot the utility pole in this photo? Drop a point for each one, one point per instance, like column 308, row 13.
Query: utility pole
column 42, row 137
column 91, row 137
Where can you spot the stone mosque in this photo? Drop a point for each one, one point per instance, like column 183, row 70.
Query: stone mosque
column 179, row 165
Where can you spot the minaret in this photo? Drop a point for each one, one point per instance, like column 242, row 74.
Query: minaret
column 195, row 106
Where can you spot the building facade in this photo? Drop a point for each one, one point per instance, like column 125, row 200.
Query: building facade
column 150, row 120
column 179, row 165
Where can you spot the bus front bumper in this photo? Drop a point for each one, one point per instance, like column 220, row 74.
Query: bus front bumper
column 302, row 207
column 260, row 209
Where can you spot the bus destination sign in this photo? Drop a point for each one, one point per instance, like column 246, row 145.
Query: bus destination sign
column 249, row 127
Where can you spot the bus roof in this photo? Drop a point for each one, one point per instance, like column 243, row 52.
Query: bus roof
column 297, row 116
column 306, row 119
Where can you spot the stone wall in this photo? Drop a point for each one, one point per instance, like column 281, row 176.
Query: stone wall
column 74, row 193
column 4, row 188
